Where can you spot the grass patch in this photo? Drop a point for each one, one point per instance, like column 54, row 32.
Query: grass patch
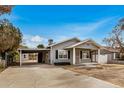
column 1, row 68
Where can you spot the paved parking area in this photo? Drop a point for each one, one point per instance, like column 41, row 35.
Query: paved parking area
column 48, row 76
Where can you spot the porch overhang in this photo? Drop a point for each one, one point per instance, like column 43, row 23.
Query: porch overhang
column 81, row 48
column 85, row 42
column 36, row 50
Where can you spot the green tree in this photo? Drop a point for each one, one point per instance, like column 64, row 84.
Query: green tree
column 40, row 46
column 10, row 37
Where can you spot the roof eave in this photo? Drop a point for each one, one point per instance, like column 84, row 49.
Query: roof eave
column 64, row 41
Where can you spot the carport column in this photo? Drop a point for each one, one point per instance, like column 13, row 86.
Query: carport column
column 20, row 57
column 51, row 57
column 73, row 56
column 98, row 55
column 114, row 57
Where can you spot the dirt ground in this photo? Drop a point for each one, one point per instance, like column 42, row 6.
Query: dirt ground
column 47, row 76
column 1, row 69
column 113, row 73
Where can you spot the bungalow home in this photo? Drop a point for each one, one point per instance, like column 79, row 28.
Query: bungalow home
column 73, row 51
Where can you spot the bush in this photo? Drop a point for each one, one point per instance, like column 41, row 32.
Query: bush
column 122, row 57
column 2, row 63
column 1, row 66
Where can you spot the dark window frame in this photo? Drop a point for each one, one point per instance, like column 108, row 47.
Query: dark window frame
column 69, row 54
column 56, row 54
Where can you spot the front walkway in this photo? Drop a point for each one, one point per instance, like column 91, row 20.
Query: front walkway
column 47, row 76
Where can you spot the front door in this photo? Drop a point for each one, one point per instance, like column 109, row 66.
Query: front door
column 40, row 56
column 85, row 56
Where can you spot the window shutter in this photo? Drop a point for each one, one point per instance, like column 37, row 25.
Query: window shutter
column 80, row 54
column 56, row 54
column 68, row 54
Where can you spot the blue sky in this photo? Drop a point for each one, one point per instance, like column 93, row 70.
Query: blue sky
column 40, row 23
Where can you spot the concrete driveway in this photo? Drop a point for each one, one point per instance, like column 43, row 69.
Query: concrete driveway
column 47, row 76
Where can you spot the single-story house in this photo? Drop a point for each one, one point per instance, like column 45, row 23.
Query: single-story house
column 73, row 51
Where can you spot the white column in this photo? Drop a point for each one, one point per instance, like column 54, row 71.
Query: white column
column 20, row 57
column 51, row 56
column 74, row 56
column 98, row 55
column 114, row 56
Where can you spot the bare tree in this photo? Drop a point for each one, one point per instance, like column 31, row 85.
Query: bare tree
column 115, row 39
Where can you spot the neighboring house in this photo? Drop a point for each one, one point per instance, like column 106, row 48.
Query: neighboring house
column 73, row 51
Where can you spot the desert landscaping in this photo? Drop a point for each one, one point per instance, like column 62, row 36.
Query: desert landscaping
column 113, row 73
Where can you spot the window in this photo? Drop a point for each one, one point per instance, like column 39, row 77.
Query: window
column 63, row 54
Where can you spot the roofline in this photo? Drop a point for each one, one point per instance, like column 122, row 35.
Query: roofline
column 65, row 41
column 114, row 50
column 84, row 42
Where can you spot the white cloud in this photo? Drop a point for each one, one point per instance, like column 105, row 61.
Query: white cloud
column 37, row 38
column 82, row 30
column 33, row 40
column 65, row 31
column 61, row 38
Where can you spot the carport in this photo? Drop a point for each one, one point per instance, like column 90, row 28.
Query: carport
column 43, row 53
